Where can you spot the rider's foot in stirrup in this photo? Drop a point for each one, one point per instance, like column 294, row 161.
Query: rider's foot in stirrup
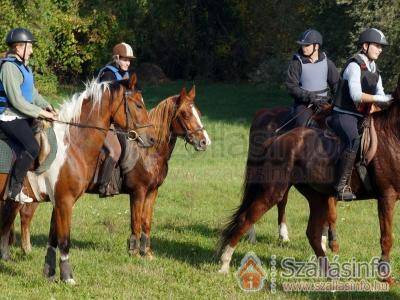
column 22, row 198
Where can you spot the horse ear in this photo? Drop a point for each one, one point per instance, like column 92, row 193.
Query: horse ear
column 132, row 81
column 182, row 96
column 192, row 93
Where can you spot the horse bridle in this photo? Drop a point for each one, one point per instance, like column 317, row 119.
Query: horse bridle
column 130, row 134
column 188, row 133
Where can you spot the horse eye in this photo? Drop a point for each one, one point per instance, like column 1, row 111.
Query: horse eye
column 139, row 105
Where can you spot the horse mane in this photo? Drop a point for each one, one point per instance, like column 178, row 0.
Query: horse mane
column 161, row 116
column 388, row 119
column 70, row 110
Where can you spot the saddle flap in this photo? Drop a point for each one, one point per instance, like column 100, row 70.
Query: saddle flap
column 369, row 141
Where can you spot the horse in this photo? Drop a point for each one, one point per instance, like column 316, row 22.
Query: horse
column 81, row 131
column 268, row 123
column 305, row 158
column 176, row 116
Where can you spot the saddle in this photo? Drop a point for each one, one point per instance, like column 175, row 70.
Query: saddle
column 367, row 150
column 44, row 135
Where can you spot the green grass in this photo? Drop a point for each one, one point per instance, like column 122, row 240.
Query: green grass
column 200, row 192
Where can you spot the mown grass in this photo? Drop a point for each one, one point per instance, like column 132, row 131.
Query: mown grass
column 200, row 192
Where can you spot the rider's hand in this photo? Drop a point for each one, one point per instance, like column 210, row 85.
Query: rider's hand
column 316, row 99
column 48, row 115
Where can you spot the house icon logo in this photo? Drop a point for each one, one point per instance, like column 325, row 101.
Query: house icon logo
column 251, row 275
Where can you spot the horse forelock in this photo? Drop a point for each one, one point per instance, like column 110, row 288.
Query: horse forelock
column 161, row 116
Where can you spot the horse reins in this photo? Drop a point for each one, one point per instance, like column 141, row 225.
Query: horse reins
column 188, row 137
column 130, row 134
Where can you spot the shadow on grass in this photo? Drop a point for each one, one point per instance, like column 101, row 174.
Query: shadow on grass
column 40, row 240
column 201, row 229
column 187, row 252
column 6, row 268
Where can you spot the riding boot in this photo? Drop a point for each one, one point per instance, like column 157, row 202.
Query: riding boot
column 344, row 171
column 105, row 176
column 21, row 167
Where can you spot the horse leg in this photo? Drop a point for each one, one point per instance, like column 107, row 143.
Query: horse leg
column 50, row 261
column 63, row 215
column 318, row 213
column 26, row 214
column 147, row 217
column 385, row 211
column 282, row 227
column 332, row 216
column 136, row 205
column 8, row 213
column 251, row 235
column 241, row 221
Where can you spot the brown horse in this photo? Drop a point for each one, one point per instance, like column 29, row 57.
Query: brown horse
column 78, row 149
column 176, row 116
column 306, row 158
column 271, row 122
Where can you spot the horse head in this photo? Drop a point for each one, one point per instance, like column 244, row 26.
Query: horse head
column 129, row 112
column 187, row 123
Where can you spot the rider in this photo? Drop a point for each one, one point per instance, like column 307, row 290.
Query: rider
column 122, row 55
column 20, row 102
column 310, row 76
column 360, row 86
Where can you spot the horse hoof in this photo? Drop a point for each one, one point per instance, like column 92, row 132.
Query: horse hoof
column 223, row 270
column 26, row 251
column 334, row 246
column 6, row 257
column 284, row 239
column 134, row 252
column 70, row 281
column 149, row 255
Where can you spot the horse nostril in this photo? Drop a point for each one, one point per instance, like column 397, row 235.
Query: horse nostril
column 203, row 143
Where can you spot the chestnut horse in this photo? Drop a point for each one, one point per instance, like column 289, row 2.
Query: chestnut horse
column 270, row 122
column 176, row 116
column 305, row 158
column 78, row 149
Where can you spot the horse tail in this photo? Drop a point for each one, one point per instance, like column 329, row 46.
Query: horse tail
column 253, row 187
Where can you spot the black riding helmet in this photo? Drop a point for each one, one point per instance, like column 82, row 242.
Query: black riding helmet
column 310, row 36
column 19, row 35
column 372, row 35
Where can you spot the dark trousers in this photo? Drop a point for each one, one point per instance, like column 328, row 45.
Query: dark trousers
column 20, row 132
column 346, row 127
column 304, row 114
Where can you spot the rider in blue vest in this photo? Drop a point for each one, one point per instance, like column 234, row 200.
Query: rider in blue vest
column 117, row 70
column 310, row 76
column 360, row 86
column 20, row 102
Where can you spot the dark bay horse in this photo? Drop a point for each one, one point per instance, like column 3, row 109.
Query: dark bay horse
column 305, row 158
column 75, row 164
column 271, row 122
column 174, row 117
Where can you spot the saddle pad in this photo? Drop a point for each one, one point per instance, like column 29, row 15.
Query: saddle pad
column 7, row 153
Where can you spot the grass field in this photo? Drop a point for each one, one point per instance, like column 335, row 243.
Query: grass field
column 200, row 192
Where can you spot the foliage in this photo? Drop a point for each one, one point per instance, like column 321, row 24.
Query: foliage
column 223, row 40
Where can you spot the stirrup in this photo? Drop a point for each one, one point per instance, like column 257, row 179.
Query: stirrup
column 345, row 194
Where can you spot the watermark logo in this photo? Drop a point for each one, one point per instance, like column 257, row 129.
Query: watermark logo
column 251, row 275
